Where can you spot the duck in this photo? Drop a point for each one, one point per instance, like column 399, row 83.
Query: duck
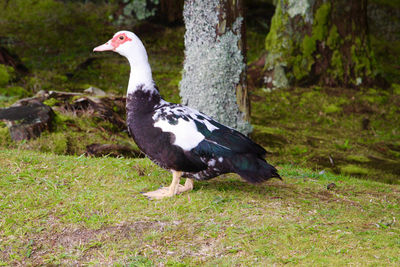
column 179, row 138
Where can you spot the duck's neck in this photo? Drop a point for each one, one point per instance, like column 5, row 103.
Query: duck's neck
column 140, row 77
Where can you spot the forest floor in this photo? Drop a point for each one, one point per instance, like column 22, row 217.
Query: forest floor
column 60, row 207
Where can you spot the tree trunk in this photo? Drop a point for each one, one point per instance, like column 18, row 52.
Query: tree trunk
column 214, row 76
column 319, row 42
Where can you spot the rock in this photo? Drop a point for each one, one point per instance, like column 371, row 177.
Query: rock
column 331, row 186
column 27, row 119
column 42, row 94
column 95, row 91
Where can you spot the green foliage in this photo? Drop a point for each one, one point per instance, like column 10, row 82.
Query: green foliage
column 6, row 74
column 15, row 91
column 51, row 102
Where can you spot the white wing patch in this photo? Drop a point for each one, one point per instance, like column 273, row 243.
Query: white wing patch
column 186, row 134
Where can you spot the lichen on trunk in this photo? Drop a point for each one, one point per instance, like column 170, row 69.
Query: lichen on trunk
column 214, row 72
column 319, row 42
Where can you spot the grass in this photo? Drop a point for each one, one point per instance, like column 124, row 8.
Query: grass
column 89, row 211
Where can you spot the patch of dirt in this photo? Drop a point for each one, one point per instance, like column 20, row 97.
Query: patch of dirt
column 327, row 196
column 84, row 239
column 324, row 195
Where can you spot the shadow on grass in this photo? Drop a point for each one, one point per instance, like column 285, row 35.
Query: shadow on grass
column 224, row 184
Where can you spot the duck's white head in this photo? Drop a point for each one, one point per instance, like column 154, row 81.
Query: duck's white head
column 127, row 44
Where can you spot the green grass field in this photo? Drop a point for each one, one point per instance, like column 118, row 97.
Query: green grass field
column 72, row 210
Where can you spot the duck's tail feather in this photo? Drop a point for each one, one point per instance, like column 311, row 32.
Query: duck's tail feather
column 253, row 169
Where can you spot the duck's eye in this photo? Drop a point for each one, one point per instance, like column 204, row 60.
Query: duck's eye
column 121, row 37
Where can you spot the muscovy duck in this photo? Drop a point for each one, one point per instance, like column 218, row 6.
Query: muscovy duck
column 177, row 137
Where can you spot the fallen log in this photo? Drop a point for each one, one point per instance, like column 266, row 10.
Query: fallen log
column 27, row 120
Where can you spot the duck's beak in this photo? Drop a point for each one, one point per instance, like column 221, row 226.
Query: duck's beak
column 105, row 47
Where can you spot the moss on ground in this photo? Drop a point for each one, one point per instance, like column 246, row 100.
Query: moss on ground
column 352, row 169
column 324, row 128
column 358, row 158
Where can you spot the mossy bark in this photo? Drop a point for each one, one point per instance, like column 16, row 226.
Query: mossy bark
column 214, row 76
column 319, row 42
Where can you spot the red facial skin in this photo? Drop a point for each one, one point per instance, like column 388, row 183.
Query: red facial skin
column 119, row 40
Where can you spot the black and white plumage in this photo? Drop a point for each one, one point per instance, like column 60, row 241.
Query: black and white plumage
column 179, row 138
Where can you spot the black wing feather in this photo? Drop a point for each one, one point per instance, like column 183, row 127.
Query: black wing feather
column 227, row 138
